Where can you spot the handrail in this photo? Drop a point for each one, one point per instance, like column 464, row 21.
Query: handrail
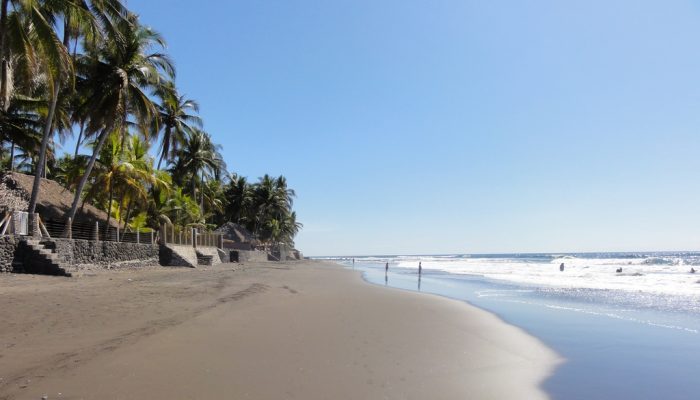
column 188, row 236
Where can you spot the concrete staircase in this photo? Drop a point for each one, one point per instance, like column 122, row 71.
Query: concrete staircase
column 204, row 259
column 35, row 258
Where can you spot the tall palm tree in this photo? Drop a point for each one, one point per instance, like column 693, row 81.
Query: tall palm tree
column 271, row 202
column 79, row 16
column 198, row 159
column 239, row 197
column 143, row 179
column 175, row 121
column 123, row 173
column 115, row 76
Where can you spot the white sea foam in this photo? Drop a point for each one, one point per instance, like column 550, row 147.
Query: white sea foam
column 654, row 274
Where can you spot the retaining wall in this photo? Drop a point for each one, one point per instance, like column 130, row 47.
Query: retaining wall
column 8, row 245
column 84, row 254
column 249, row 255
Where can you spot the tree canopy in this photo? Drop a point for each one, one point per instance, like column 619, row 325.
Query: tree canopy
column 89, row 69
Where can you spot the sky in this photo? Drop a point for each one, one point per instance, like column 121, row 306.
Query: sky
column 455, row 126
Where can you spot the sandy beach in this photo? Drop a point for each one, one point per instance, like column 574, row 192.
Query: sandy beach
column 305, row 330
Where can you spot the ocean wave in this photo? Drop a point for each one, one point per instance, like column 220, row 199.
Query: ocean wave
column 644, row 272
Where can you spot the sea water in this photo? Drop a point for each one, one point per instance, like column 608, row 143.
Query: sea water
column 633, row 334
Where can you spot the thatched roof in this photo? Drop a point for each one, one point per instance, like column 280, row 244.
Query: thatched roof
column 54, row 200
column 236, row 233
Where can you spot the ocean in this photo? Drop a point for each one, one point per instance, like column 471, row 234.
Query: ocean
column 628, row 334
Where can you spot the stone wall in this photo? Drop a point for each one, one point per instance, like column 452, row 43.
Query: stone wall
column 82, row 254
column 248, row 255
column 8, row 244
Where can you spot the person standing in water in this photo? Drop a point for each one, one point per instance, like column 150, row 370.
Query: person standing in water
column 420, row 268
column 386, row 268
column 561, row 267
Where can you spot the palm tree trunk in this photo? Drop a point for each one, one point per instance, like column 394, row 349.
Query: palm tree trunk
column 194, row 186
column 42, row 152
column 166, row 145
column 129, row 208
column 12, row 157
column 80, row 139
column 4, row 101
column 201, row 197
column 83, row 181
column 109, row 207
column 41, row 162
column 119, row 208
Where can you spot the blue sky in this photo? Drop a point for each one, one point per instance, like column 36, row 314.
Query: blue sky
column 455, row 126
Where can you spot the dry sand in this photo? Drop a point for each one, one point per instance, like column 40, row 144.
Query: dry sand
column 298, row 330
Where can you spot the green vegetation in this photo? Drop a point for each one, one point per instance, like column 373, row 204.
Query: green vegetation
column 89, row 69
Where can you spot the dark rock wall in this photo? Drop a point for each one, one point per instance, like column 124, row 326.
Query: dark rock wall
column 104, row 254
column 8, row 245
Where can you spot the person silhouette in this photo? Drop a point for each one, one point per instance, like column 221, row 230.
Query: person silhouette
column 420, row 268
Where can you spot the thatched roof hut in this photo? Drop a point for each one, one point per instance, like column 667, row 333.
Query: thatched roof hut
column 236, row 233
column 54, row 200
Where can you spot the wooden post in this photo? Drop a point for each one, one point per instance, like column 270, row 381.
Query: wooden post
column 97, row 231
column 138, row 235
column 33, row 222
column 173, row 235
column 151, row 238
column 180, row 238
column 164, row 233
column 194, row 238
column 117, row 233
column 69, row 228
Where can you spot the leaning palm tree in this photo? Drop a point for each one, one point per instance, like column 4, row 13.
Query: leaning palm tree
column 89, row 17
column 175, row 121
column 115, row 76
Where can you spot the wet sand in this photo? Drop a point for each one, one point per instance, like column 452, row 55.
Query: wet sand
column 305, row 330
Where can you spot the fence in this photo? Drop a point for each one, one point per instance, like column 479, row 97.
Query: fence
column 98, row 231
column 176, row 235
column 15, row 223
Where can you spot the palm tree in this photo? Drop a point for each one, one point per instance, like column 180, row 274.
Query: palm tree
column 143, row 179
column 78, row 16
column 115, row 76
column 20, row 126
column 198, row 159
column 177, row 124
column 181, row 209
column 239, row 196
column 271, row 201
column 289, row 227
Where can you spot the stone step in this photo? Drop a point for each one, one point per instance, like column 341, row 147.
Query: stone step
column 203, row 259
column 49, row 256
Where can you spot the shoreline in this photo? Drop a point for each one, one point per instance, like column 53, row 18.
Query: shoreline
column 265, row 330
column 647, row 344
